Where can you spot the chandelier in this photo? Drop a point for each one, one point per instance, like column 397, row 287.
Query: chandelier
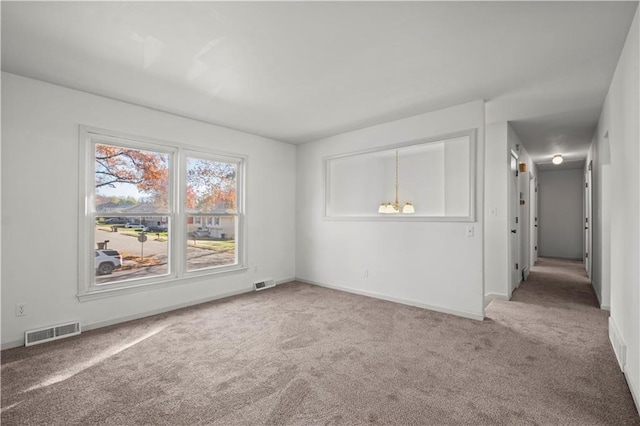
column 388, row 208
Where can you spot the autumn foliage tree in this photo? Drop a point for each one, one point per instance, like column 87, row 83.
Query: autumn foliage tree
column 148, row 171
column 211, row 185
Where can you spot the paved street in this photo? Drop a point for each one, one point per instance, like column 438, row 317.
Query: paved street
column 156, row 250
column 125, row 243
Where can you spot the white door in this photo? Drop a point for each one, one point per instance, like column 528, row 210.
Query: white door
column 523, row 222
column 533, row 215
column 587, row 220
column 514, row 225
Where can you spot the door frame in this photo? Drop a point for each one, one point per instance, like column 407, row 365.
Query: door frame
column 515, row 272
column 533, row 220
column 588, row 220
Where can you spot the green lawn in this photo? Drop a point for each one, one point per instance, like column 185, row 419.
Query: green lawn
column 217, row 246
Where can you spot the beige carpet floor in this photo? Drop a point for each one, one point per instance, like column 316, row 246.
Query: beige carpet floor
column 301, row 354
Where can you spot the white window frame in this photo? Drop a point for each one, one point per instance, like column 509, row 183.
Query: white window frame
column 177, row 249
column 212, row 156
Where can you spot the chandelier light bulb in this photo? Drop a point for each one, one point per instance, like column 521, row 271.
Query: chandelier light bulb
column 390, row 208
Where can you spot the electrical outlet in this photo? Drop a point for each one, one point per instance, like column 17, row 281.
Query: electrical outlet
column 365, row 273
column 21, row 309
column 256, row 268
column 494, row 211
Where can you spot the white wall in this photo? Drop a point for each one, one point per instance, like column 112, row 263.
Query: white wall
column 422, row 179
column 620, row 121
column 40, row 205
column 456, row 179
column 496, row 244
column 561, row 195
column 355, row 186
column 430, row 264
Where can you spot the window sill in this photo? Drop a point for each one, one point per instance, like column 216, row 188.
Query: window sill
column 106, row 291
column 400, row 218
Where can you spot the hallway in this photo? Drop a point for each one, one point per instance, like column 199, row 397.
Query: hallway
column 556, row 310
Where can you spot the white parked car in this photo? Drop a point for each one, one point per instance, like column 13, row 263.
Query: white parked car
column 107, row 260
column 136, row 226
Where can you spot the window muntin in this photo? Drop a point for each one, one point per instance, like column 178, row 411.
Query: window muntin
column 137, row 188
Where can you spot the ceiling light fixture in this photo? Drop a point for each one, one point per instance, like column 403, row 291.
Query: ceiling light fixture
column 557, row 159
column 394, row 207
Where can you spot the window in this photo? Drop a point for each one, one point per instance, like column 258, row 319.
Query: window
column 155, row 213
column 434, row 177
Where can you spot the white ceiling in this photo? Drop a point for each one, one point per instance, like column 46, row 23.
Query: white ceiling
column 301, row 71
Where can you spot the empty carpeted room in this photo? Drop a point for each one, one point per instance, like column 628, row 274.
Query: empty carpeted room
column 333, row 213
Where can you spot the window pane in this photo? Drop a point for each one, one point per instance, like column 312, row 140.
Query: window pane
column 211, row 245
column 211, row 186
column 130, row 180
column 130, row 247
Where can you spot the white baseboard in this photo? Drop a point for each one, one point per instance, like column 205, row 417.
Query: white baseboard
column 618, row 344
column 597, row 294
column 599, row 297
column 490, row 296
column 620, row 350
column 511, row 290
column 100, row 324
column 107, row 323
column 14, row 344
column 463, row 314
column 635, row 391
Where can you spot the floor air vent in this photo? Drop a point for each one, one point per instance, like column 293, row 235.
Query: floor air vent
column 48, row 334
column 261, row 285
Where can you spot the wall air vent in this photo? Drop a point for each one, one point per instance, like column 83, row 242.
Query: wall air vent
column 261, row 285
column 47, row 334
